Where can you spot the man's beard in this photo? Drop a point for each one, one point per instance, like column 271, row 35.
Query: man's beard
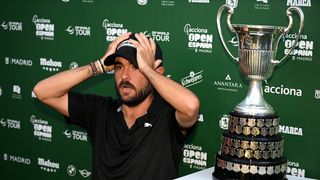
column 139, row 97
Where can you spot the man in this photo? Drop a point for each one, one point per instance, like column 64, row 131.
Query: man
column 141, row 134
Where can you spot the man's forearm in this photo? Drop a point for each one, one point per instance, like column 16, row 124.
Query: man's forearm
column 182, row 99
column 59, row 84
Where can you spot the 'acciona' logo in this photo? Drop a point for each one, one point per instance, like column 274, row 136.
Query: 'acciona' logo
column 282, row 90
column 113, row 29
column 192, row 79
column 194, row 156
column 294, row 169
column 303, row 50
column 199, row 39
column 44, row 28
column 42, row 129
column 303, row 3
column 79, row 30
column 12, row 26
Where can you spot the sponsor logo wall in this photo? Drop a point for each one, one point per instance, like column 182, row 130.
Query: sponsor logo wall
column 41, row 39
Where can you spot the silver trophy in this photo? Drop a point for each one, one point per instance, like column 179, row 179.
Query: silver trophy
column 252, row 148
column 257, row 48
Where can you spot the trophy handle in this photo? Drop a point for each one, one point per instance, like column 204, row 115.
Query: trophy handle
column 230, row 12
column 286, row 30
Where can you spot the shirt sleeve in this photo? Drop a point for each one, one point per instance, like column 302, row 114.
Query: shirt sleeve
column 84, row 109
column 176, row 129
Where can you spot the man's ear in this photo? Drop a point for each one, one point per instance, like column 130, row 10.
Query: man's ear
column 160, row 70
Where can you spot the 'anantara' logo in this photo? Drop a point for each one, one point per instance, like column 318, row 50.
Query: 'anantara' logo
column 192, row 79
column 227, row 84
column 44, row 28
column 199, row 39
column 113, row 29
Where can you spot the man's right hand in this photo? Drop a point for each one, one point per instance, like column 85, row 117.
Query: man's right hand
column 112, row 49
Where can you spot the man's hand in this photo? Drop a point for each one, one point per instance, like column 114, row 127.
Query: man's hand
column 146, row 48
column 112, row 49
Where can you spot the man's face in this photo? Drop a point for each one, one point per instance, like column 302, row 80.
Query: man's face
column 131, row 85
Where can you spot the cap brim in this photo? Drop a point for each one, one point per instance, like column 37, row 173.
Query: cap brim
column 127, row 53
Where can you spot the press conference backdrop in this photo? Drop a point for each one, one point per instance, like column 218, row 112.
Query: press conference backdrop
column 40, row 38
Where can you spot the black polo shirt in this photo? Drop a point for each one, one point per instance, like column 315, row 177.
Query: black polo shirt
column 150, row 149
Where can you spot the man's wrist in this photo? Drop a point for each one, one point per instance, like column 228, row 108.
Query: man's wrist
column 97, row 67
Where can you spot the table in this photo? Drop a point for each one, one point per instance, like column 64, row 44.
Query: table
column 207, row 175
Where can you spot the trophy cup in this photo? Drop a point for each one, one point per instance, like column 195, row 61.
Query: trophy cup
column 252, row 148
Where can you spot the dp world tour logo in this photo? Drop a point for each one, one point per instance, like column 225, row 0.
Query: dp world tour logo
column 79, row 30
column 12, row 26
column 142, row 2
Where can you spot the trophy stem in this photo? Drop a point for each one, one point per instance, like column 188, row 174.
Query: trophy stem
column 254, row 104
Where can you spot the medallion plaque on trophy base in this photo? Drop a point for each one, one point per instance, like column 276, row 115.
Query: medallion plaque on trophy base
column 252, row 147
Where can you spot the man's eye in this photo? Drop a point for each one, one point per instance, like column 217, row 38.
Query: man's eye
column 117, row 67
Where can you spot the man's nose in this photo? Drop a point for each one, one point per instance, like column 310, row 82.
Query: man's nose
column 125, row 74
